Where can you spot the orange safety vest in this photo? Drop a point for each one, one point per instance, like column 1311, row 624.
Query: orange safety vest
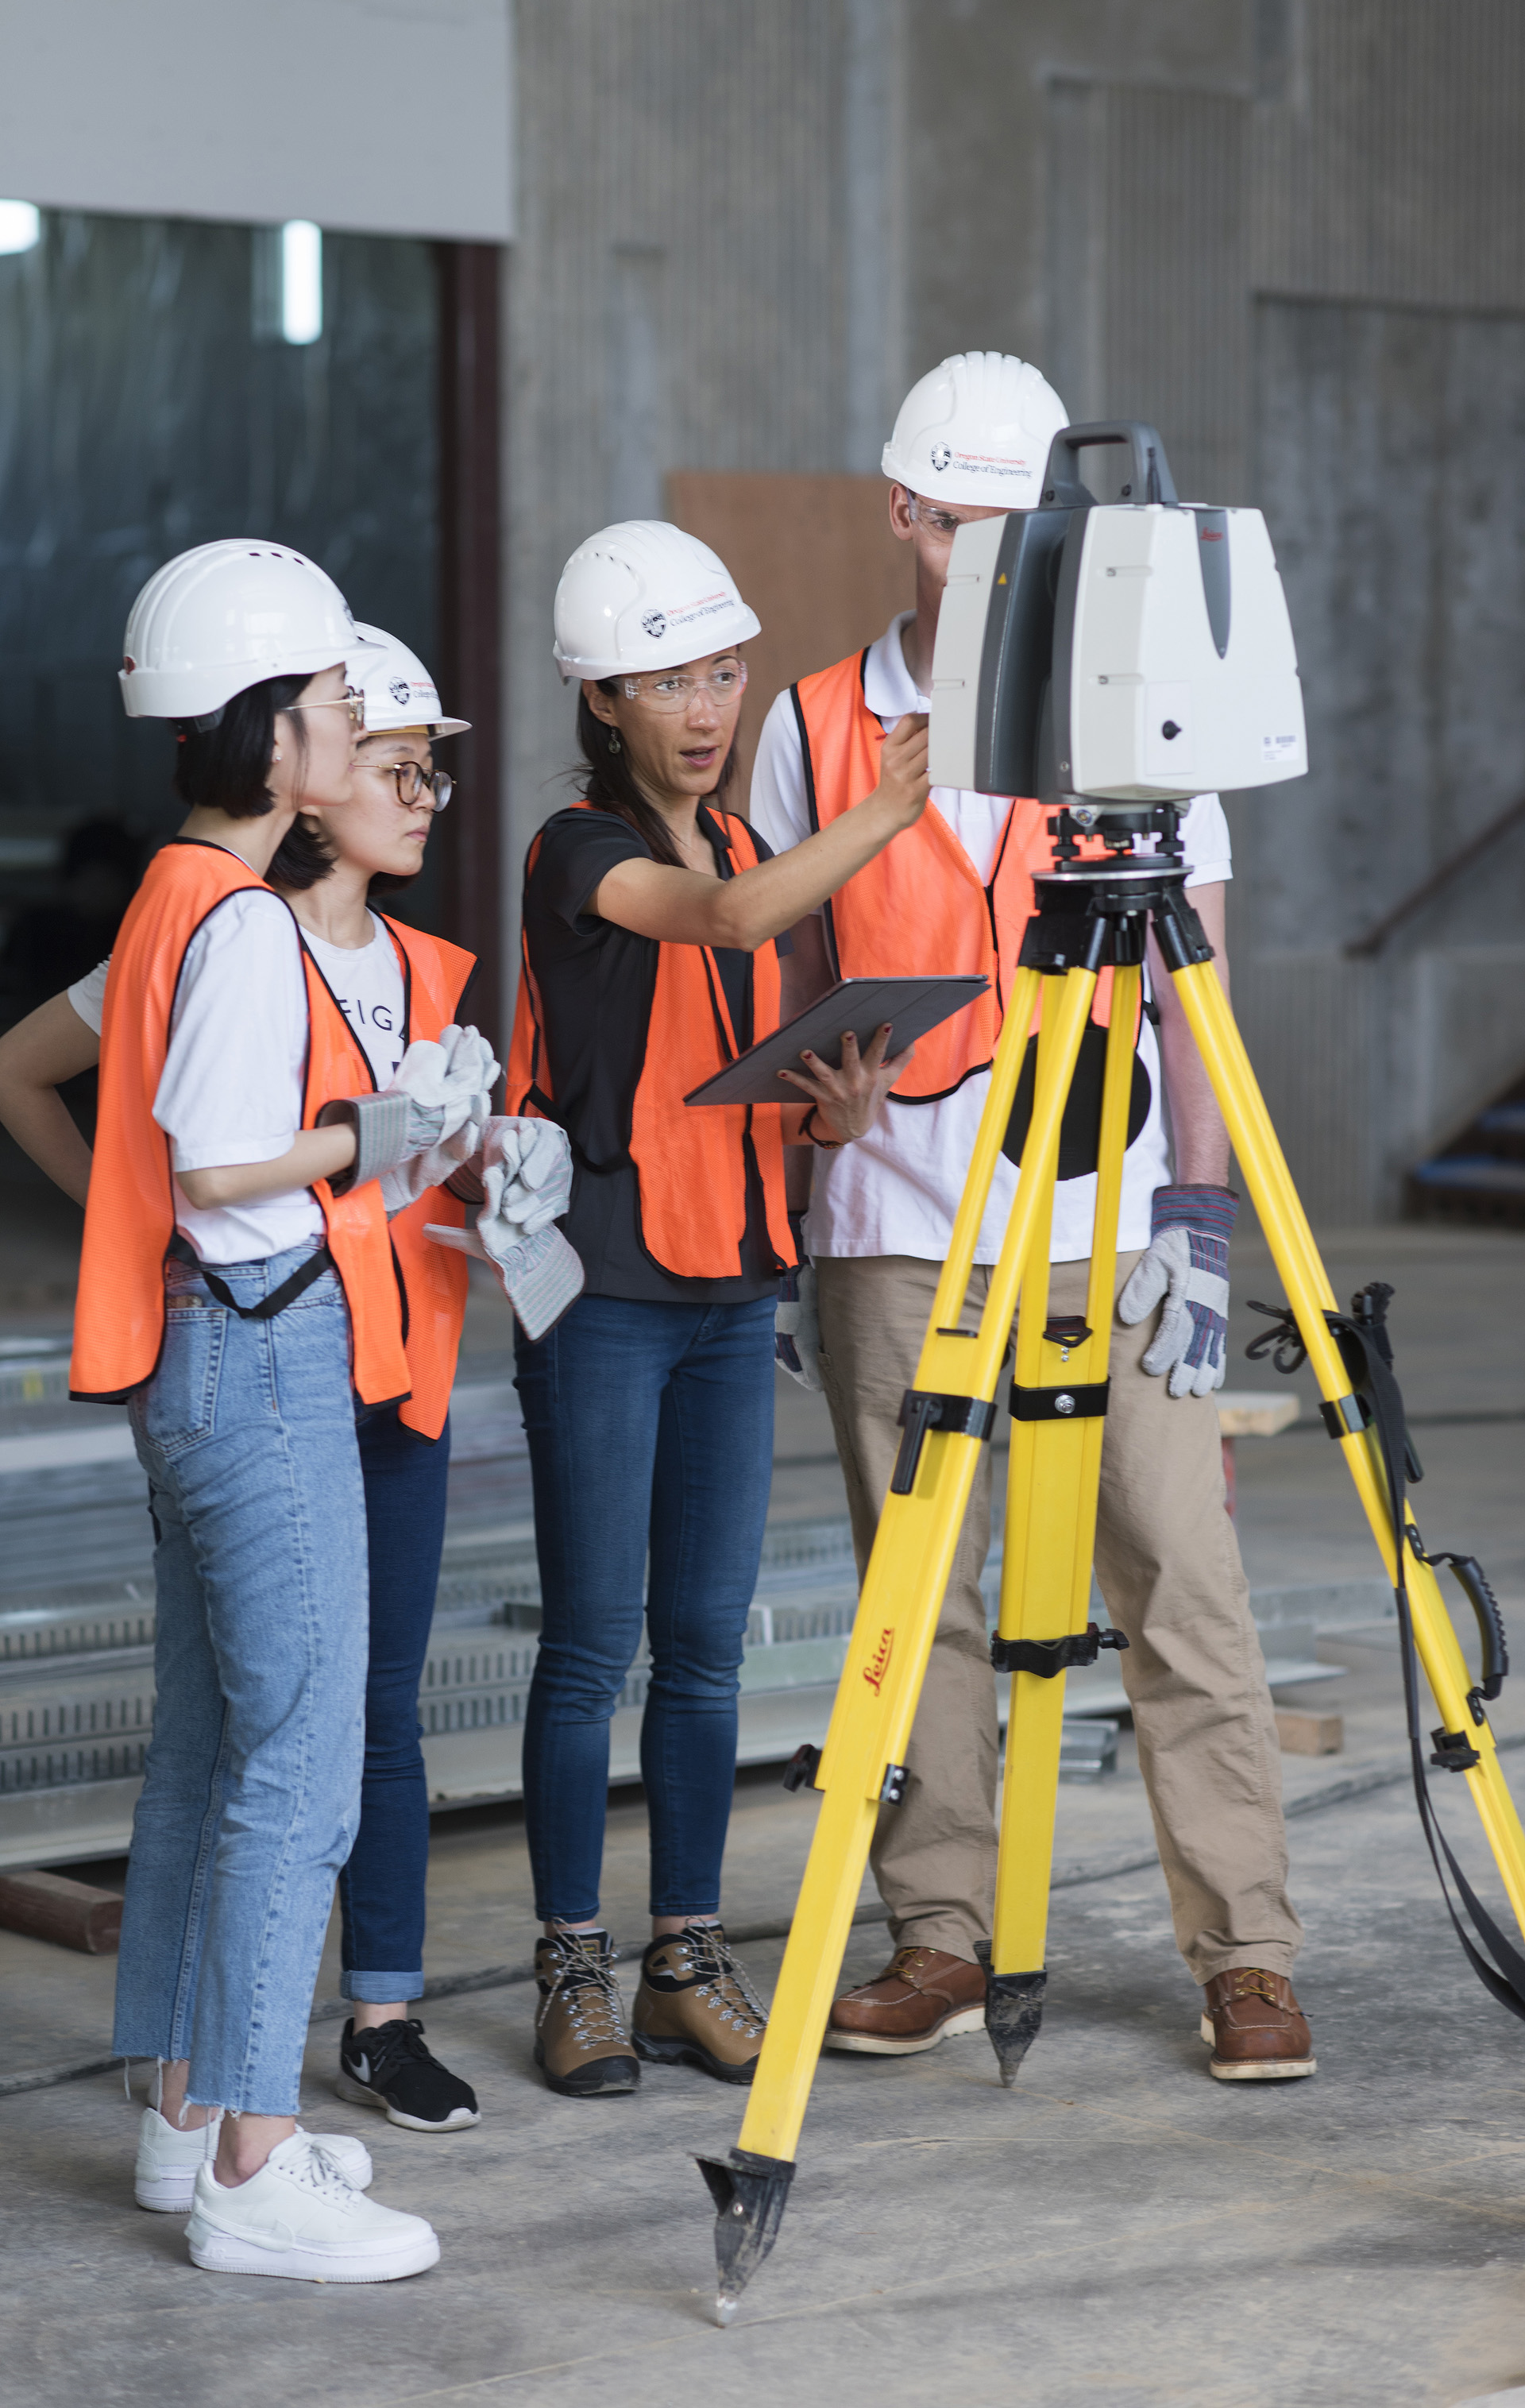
column 918, row 909
column 433, row 1278
column 130, row 1215
column 689, row 1163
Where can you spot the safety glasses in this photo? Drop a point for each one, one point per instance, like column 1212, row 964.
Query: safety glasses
column 675, row 689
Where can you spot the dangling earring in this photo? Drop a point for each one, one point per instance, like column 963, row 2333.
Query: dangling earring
column 614, row 740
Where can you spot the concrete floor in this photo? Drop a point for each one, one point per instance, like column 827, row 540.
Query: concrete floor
column 1119, row 2229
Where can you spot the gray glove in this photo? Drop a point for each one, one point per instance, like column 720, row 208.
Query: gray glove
column 796, row 1328
column 440, row 1092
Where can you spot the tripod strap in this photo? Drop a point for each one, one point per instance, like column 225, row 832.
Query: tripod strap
column 1372, row 1379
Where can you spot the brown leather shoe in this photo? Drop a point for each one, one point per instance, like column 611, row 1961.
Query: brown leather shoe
column 922, row 1997
column 580, row 2043
column 1255, row 2028
column 695, row 2005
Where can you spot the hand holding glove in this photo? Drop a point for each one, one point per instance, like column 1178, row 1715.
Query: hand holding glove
column 1187, row 1264
column 526, row 1176
column 432, row 1113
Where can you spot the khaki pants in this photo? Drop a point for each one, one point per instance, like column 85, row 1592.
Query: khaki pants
column 1168, row 1565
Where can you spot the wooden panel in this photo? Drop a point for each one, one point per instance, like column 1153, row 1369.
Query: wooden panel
column 815, row 558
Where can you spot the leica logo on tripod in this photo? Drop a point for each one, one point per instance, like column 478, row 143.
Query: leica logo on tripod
column 879, row 1663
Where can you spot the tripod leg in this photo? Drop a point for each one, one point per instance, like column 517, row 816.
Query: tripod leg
column 1050, row 1533
column 1309, row 1295
column 946, row 1419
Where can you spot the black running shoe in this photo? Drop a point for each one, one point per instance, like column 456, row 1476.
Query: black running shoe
column 388, row 2066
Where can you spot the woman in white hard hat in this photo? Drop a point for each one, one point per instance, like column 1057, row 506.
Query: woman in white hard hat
column 329, row 865
column 649, row 918
column 237, row 1291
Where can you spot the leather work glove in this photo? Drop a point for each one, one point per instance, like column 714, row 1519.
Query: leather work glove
column 796, row 1328
column 1188, row 1263
column 526, row 1178
column 440, row 1090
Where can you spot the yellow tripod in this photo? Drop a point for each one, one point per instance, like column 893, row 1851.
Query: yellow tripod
column 1091, row 914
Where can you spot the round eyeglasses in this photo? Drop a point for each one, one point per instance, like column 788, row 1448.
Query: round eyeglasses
column 414, row 783
column 675, row 689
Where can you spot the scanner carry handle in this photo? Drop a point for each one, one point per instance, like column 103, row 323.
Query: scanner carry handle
column 1485, row 1605
column 1150, row 479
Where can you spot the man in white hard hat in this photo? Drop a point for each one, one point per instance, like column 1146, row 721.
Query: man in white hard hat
column 953, row 894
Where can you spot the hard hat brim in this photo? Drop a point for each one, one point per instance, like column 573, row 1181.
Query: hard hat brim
column 190, row 694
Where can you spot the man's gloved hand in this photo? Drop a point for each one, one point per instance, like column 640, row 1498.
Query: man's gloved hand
column 526, row 1175
column 796, row 1328
column 439, row 1093
column 1188, row 1263
column 796, row 1325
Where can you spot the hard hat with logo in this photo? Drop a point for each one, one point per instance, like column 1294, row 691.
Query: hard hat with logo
column 227, row 616
column 643, row 596
column 976, row 429
column 399, row 691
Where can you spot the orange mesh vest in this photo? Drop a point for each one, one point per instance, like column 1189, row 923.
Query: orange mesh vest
column 689, row 1160
column 433, row 1279
column 918, row 909
column 130, row 1216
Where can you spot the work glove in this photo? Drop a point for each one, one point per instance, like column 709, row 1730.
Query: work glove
column 526, row 1177
column 1187, row 1264
column 432, row 1113
column 796, row 1324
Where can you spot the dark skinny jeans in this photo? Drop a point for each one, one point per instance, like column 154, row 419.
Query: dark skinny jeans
column 650, row 1427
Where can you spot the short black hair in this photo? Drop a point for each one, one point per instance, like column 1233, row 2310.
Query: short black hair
column 227, row 767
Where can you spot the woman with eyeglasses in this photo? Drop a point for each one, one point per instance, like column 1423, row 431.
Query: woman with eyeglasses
column 650, row 915
column 333, row 861
column 239, row 1291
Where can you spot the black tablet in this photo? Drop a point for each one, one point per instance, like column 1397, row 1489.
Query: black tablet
column 911, row 1005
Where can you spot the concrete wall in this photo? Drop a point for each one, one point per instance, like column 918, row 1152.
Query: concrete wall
column 1291, row 233
column 708, row 276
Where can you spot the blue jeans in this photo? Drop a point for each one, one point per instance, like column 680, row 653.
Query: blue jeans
column 649, row 1425
column 247, row 1432
column 381, row 1888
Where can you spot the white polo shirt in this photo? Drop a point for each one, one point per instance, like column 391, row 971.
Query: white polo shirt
column 896, row 1190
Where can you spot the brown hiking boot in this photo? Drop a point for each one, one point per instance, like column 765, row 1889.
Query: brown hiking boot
column 1255, row 2028
column 695, row 2005
column 582, row 2045
column 923, row 1996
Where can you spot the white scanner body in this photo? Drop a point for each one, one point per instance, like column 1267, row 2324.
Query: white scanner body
column 1123, row 654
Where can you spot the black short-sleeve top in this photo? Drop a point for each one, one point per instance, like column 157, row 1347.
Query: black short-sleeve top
column 596, row 982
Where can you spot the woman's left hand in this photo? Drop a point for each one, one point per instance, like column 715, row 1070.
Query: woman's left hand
column 848, row 1101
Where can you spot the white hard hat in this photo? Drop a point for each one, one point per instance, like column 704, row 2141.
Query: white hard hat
column 644, row 596
column 976, row 429
column 227, row 616
column 399, row 691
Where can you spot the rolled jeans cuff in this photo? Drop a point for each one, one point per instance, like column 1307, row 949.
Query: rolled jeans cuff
column 380, row 1126
column 381, row 1989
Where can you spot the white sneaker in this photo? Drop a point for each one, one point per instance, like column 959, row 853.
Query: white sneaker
column 298, row 2216
column 165, row 2176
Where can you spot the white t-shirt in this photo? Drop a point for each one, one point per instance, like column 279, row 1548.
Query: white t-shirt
column 231, row 1089
column 896, row 1191
column 367, row 981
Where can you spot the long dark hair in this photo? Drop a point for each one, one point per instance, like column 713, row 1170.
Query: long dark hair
column 610, row 783
column 227, row 767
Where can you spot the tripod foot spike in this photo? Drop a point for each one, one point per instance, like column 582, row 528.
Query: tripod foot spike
column 1013, row 2014
column 749, row 2193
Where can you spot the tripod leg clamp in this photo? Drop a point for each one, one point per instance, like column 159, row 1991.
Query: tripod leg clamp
column 923, row 1410
column 1047, row 1656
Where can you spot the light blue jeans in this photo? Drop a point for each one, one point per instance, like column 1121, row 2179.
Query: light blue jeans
column 247, row 1432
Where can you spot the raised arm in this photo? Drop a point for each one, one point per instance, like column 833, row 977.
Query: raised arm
column 683, row 908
